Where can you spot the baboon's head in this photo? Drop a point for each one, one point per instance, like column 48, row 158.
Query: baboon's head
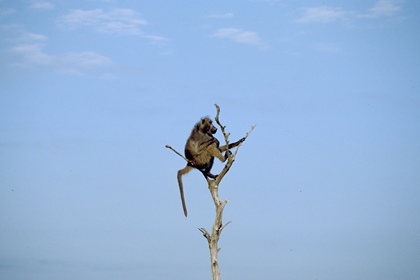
column 206, row 126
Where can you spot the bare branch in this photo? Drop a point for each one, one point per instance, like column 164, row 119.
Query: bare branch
column 224, row 226
column 169, row 147
column 205, row 233
column 222, row 128
column 249, row 132
column 246, row 136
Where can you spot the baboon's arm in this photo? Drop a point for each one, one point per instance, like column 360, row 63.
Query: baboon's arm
column 224, row 148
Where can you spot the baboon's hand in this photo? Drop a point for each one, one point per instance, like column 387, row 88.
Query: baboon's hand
column 227, row 154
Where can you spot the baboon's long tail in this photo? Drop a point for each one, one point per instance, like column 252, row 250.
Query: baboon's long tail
column 181, row 190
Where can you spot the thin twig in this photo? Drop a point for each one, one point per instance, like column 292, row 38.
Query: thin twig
column 222, row 128
column 205, row 233
column 224, row 226
column 169, row 147
column 249, row 132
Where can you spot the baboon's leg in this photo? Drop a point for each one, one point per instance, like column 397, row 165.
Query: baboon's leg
column 181, row 172
column 215, row 152
column 208, row 174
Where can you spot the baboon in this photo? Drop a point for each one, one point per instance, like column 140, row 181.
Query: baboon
column 200, row 150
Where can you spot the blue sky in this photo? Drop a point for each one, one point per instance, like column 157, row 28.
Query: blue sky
column 327, row 186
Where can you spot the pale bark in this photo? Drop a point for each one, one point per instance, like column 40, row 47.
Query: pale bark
column 213, row 185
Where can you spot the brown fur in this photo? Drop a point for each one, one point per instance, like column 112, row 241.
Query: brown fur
column 200, row 150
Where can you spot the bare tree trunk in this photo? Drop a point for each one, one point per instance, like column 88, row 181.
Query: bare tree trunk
column 213, row 185
column 214, row 237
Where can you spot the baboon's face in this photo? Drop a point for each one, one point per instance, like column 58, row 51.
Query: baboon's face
column 213, row 129
column 206, row 125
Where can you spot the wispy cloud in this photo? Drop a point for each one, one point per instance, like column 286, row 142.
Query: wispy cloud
column 16, row 33
column 28, row 55
column 33, row 37
column 28, row 51
column 324, row 14
column 383, row 8
column 115, row 21
column 42, row 6
column 241, row 36
column 321, row 14
column 6, row 11
column 225, row 15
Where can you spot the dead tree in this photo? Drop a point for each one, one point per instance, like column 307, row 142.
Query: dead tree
column 213, row 185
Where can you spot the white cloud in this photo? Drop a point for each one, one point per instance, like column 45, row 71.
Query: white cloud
column 115, row 21
column 42, row 6
column 85, row 60
column 28, row 55
column 28, row 50
column 226, row 15
column 6, row 11
column 33, row 37
column 31, row 54
column 322, row 14
column 17, row 34
column 240, row 36
column 383, row 8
